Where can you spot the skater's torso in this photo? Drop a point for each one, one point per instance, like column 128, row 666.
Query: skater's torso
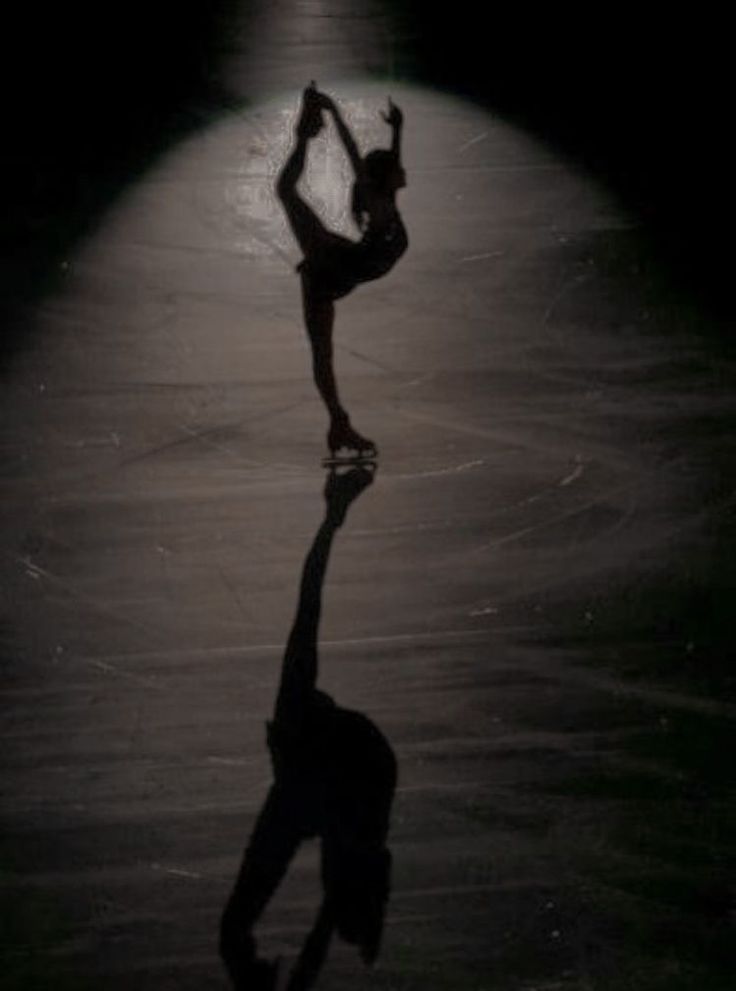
column 383, row 243
column 334, row 764
column 340, row 264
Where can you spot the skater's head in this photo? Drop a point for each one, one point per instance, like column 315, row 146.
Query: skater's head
column 357, row 883
column 383, row 171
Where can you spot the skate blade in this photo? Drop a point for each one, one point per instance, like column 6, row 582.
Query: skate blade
column 348, row 460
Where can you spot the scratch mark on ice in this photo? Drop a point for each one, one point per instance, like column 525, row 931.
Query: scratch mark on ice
column 111, row 669
column 450, row 470
column 474, row 141
column 176, row 871
column 573, row 476
column 485, row 254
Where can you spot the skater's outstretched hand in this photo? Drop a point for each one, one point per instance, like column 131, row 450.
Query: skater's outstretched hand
column 262, row 976
column 319, row 99
column 394, row 117
column 324, row 101
column 245, row 967
column 343, row 488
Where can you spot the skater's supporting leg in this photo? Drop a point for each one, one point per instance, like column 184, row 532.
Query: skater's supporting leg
column 319, row 317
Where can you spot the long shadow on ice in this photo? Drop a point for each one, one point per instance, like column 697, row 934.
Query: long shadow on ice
column 334, row 778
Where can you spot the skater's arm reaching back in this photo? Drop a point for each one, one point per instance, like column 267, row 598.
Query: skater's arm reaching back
column 346, row 137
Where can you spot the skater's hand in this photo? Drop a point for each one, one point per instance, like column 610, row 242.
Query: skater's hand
column 323, row 101
column 317, row 99
column 394, row 117
column 240, row 956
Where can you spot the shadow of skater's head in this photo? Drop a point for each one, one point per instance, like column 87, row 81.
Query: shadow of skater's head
column 356, row 864
column 358, row 883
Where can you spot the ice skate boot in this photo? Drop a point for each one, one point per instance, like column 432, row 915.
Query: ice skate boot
column 347, row 445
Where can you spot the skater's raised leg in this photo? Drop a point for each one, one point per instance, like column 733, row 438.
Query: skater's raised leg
column 308, row 229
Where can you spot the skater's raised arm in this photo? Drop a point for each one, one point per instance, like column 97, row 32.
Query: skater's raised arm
column 395, row 119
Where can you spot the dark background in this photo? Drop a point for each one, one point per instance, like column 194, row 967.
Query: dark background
column 642, row 100
column 91, row 97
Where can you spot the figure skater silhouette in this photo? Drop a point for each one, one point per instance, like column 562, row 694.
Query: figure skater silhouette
column 334, row 265
column 335, row 776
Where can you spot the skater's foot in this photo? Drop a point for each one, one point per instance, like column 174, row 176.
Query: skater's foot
column 344, row 441
column 310, row 120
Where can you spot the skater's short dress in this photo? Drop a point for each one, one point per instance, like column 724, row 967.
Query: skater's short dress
column 339, row 265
